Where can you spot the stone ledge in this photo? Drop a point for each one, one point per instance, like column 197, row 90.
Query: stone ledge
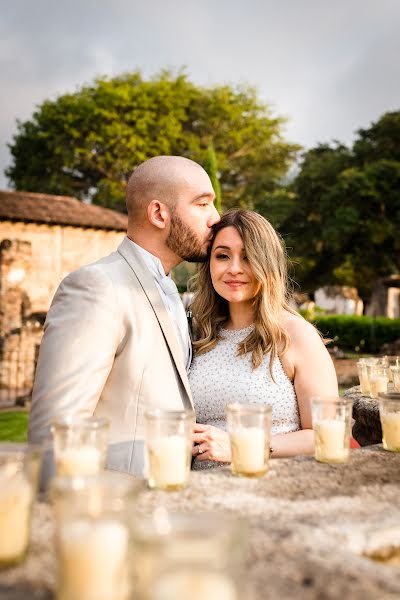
column 307, row 524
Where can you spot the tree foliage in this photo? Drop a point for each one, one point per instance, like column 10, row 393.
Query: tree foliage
column 345, row 219
column 86, row 144
column 210, row 165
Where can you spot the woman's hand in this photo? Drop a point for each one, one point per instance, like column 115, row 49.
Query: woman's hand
column 211, row 443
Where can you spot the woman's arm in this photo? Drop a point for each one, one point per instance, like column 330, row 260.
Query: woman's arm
column 308, row 364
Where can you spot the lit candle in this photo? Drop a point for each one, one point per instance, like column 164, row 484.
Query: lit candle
column 15, row 505
column 93, row 560
column 84, row 460
column 248, row 451
column 329, row 440
column 194, row 585
column 391, row 431
column 169, row 462
column 378, row 385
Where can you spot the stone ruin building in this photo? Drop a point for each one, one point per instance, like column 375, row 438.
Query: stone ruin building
column 42, row 239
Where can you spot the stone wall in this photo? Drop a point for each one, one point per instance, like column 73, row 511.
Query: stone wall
column 34, row 258
column 55, row 251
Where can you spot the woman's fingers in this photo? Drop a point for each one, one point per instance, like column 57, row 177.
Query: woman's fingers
column 198, row 427
column 198, row 438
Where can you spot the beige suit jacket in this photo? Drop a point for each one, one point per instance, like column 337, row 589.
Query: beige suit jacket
column 109, row 349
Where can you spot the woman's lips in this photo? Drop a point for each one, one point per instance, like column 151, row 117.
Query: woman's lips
column 234, row 284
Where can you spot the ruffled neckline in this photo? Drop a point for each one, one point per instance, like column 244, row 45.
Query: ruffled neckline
column 236, row 334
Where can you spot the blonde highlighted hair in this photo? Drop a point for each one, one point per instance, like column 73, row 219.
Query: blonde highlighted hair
column 266, row 254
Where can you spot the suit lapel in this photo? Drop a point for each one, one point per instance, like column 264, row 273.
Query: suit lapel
column 134, row 260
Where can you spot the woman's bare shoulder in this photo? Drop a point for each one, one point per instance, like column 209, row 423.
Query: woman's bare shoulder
column 298, row 328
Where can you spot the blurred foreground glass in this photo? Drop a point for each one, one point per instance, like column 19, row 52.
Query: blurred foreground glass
column 80, row 445
column 169, row 443
column 19, row 477
column 92, row 516
column 182, row 556
column 389, row 410
column 331, row 417
column 378, row 377
column 249, row 428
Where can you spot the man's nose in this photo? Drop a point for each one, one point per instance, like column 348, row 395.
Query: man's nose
column 214, row 218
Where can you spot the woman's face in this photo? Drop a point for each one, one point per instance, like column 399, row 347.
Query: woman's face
column 230, row 270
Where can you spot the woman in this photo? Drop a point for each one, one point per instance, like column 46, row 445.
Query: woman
column 251, row 346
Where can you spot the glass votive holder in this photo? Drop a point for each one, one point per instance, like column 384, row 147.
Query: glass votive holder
column 389, row 411
column 331, row 418
column 394, row 363
column 196, row 556
column 378, row 377
column 169, row 443
column 19, row 477
column 363, row 376
column 92, row 517
column 80, row 445
column 395, row 377
column 249, row 428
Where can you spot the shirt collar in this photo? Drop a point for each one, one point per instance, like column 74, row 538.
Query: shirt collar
column 153, row 263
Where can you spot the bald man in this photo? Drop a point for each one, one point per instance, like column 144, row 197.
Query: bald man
column 116, row 339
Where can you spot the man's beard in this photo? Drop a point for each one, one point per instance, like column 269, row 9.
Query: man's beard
column 183, row 241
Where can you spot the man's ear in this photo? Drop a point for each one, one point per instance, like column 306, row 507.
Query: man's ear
column 158, row 214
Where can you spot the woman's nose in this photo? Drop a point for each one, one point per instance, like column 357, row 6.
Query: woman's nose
column 235, row 267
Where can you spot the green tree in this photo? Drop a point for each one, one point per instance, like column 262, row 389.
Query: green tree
column 346, row 212
column 86, row 144
column 210, row 165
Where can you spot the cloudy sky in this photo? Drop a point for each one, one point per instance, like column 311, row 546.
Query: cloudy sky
column 330, row 67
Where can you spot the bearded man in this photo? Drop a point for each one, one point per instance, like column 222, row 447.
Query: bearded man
column 116, row 340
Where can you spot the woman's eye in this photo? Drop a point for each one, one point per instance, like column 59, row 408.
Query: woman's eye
column 221, row 256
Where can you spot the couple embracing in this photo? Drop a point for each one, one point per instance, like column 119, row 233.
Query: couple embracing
column 117, row 342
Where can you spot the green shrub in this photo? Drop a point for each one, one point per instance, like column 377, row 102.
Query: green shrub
column 362, row 334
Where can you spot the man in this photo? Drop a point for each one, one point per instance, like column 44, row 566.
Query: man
column 116, row 340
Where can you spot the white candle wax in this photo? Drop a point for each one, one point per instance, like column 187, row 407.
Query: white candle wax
column 15, row 506
column 248, row 450
column 185, row 585
column 377, row 385
column 168, row 461
column 391, row 431
column 329, row 443
column 85, row 460
column 93, row 560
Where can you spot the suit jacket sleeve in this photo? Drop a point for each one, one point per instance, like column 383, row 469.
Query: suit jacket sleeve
column 80, row 340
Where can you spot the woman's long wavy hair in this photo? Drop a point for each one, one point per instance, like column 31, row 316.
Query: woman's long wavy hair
column 266, row 254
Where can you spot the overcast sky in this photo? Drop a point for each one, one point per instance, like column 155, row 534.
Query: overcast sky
column 329, row 66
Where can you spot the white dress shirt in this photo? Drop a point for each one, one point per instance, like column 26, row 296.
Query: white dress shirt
column 171, row 299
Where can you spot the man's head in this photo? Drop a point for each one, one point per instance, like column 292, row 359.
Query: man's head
column 170, row 202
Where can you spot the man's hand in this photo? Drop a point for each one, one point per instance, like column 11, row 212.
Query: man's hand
column 211, row 443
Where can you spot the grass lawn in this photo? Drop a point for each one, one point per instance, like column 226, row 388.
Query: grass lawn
column 13, row 426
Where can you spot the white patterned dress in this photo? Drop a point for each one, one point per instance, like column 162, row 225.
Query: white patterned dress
column 220, row 377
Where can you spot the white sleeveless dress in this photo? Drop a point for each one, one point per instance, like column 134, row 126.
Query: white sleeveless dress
column 220, row 377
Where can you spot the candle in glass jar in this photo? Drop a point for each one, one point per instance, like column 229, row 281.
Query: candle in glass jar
column 377, row 385
column 84, row 460
column 15, row 505
column 195, row 585
column 93, row 559
column 168, row 461
column 329, row 442
column 248, row 450
column 391, row 431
